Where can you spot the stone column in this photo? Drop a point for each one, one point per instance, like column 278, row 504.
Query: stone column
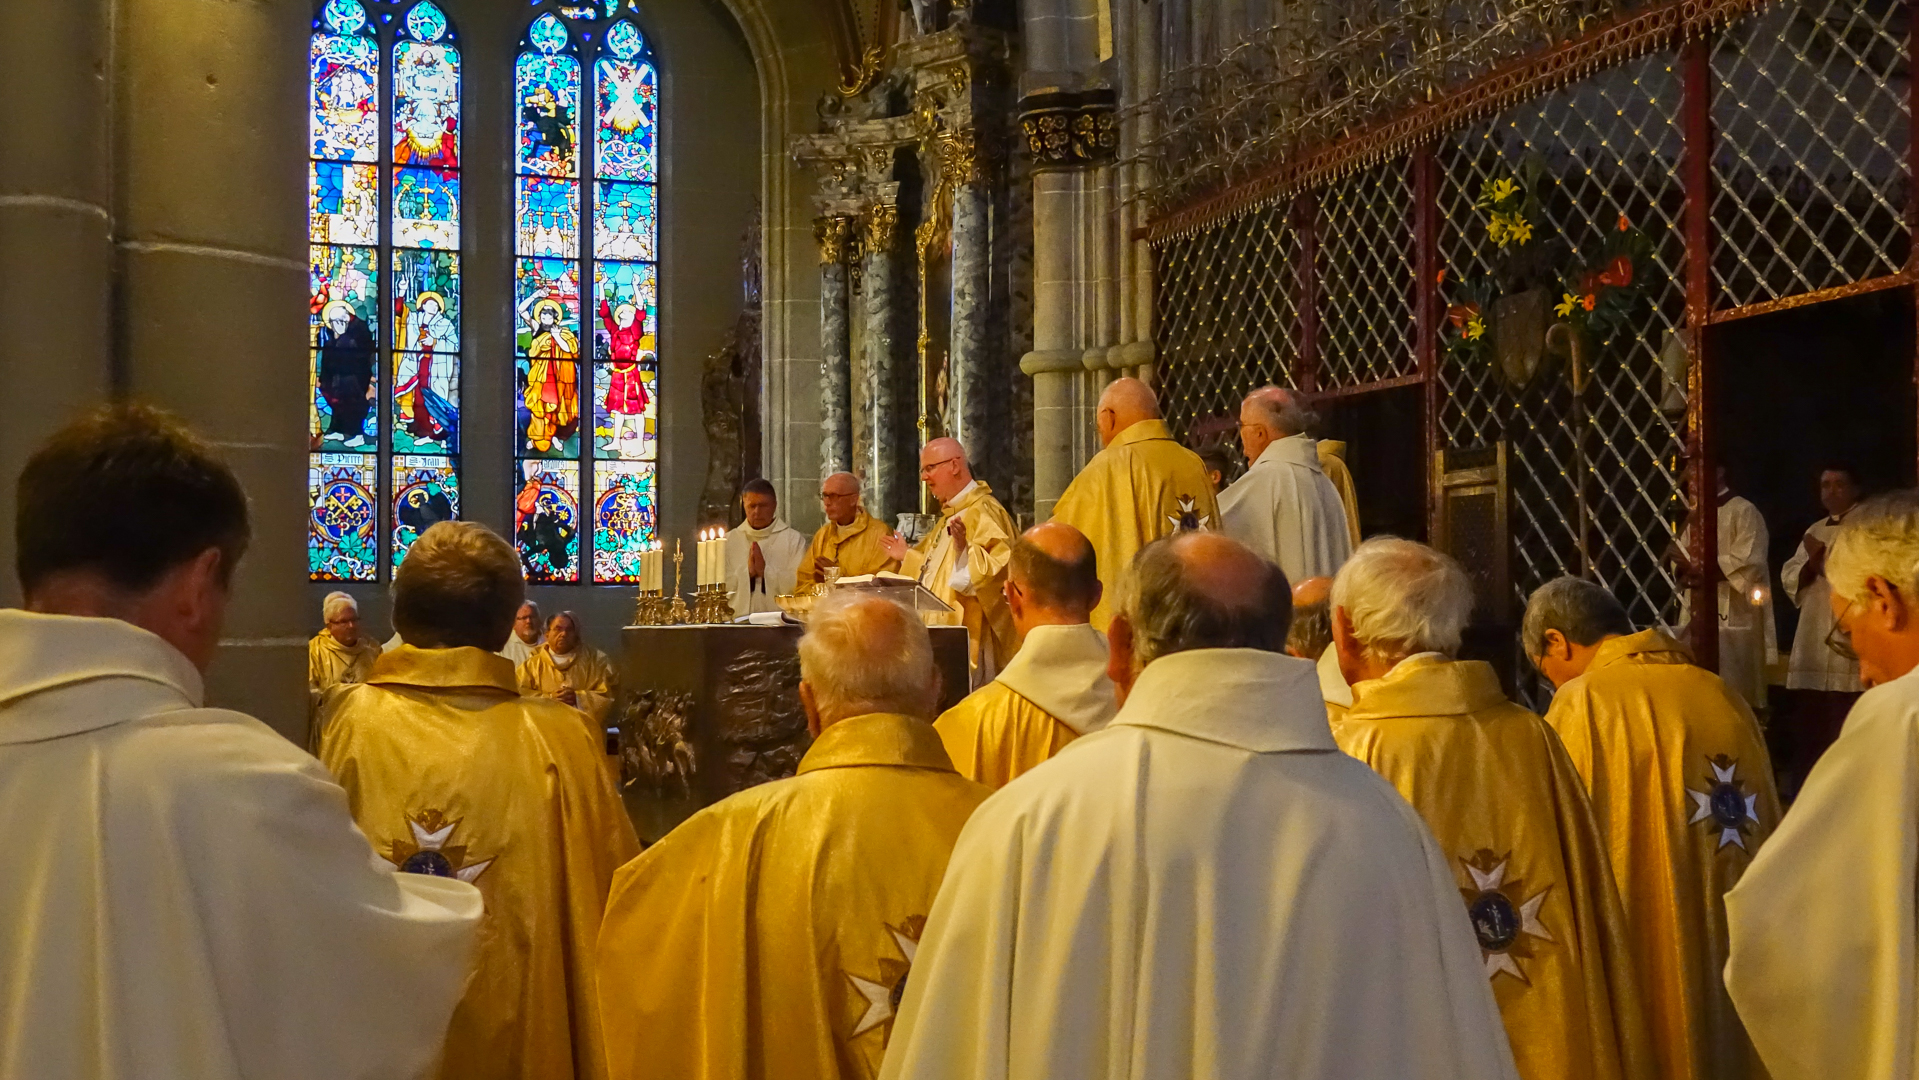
column 881, row 418
column 55, row 232
column 969, row 361
column 209, row 173
column 835, row 235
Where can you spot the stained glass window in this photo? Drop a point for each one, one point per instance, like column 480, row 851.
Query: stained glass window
column 384, row 269
column 587, row 210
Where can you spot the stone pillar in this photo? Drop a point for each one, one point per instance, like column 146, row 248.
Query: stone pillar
column 210, row 166
column 55, row 232
column 835, row 235
column 880, row 419
column 969, row 360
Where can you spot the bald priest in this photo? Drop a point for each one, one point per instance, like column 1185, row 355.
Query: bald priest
column 1143, row 485
column 1056, row 688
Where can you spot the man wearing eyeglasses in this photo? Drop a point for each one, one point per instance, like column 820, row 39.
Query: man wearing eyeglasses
column 963, row 559
column 1823, row 927
column 1682, row 788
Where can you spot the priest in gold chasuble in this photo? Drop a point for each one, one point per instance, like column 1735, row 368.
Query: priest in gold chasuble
column 449, row 771
column 1056, row 689
column 849, row 541
column 770, row 936
column 1683, row 792
column 1500, row 795
column 339, row 653
column 1143, row 485
column 571, row 672
column 963, row 559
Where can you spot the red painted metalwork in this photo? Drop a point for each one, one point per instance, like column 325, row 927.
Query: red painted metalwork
column 1838, row 292
column 1695, row 61
column 1359, row 389
column 1426, row 309
column 1306, row 224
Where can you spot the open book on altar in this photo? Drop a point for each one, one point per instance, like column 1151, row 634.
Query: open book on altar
column 920, row 599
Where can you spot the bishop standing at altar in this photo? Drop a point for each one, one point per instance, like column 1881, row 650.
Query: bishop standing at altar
column 762, row 555
column 185, row 893
column 962, row 559
column 851, row 539
column 1505, row 803
column 450, row 772
column 1056, row 688
column 1284, row 507
column 1825, row 928
column 1682, row 789
column 769, row 936
column 1204, row 889
column 1140, row 487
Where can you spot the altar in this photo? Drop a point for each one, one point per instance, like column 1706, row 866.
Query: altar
column 709, row 710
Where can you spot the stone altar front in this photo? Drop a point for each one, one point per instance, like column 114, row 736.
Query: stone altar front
column 707, row 711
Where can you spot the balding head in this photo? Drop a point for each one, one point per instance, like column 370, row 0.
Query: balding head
column 1197, row 590
column 1052, row 577
column 863, row 653
column 1268, row 414
column 840, row 497
column 944, row 469
column 1124, row 403
column 1312, row 628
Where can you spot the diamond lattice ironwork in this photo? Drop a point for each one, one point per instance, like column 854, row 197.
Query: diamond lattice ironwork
column 1811, row 168
column 1365, row 231
column 1610, row 149
column 1228, row 319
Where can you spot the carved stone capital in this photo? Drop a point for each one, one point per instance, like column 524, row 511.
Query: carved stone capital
column 881, row 222
column 834, row 232
column 1070, row 130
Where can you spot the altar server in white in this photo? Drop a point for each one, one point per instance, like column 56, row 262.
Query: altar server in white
column 1824, row 967
column 184, row 892
column 1748, row 640
column 1285, row 508
column 763, row 554
column 1206, row 888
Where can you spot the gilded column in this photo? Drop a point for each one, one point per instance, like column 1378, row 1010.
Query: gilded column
column 882, row 419
column 835, row 235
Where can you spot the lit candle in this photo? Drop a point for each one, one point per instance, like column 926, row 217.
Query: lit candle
column 659, row 566
column 719, row 555
column 706, row 557
column 699, row 560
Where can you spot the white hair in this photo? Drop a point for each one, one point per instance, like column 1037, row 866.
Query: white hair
column 1403, row 598
column 335, row 601
column 864, row 653
column 1879, row 539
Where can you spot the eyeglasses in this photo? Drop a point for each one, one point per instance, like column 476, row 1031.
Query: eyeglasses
column 927, row 470
column 1839, row 639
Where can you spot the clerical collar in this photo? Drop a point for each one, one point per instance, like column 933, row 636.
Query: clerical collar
column 758, row 535
column 563, row 660
column 846, row 531
column 961, row 494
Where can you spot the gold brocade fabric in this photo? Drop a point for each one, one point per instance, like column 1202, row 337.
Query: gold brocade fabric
column 331, row 664
column 989, row 544
column 449, row 771
column 1142, row 486
column 1332, row 462
column 1503, row 800
column 1683, row 792
column 591, row 677
column 854, row 548
column 994, row 734
column 769, row 936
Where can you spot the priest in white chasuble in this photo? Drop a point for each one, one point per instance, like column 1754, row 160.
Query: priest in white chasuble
column 1506, row 805
column 1056, row 689
column 1682, row 789
column 1824, row 925
column 571, row 672
column 763, row 554
column 450, row 772
column 769, row 936
column 184, row 893
column 1284, row 507
column 1204, row 889
column 850, row 539
column 1140, row 487
column 963, row 559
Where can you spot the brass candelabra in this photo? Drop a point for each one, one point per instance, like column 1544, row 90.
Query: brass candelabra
column 657, row 607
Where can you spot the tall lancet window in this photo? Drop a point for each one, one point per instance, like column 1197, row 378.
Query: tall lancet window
column 586, row 211
column 384, row 227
